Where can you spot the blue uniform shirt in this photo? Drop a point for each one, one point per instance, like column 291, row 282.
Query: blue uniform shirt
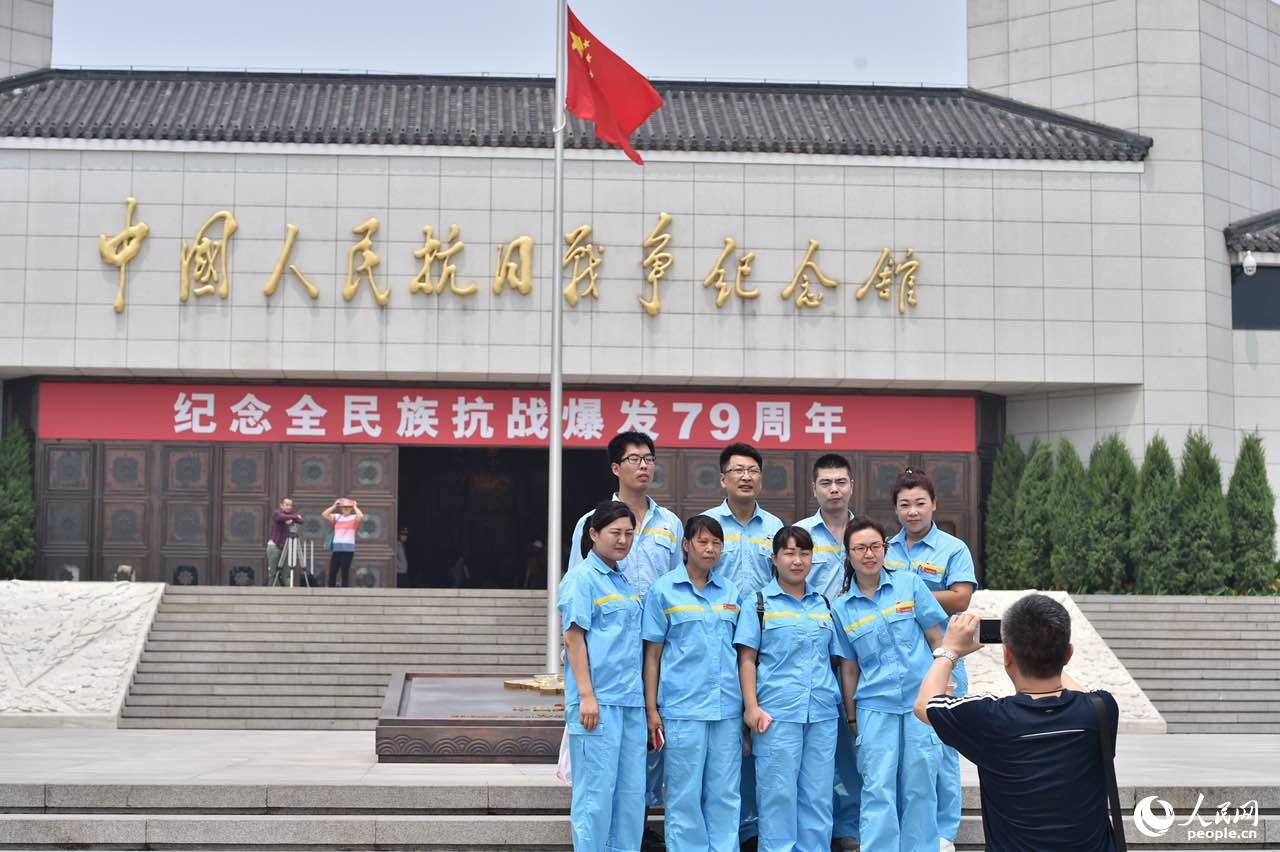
column 699, row 674
column 941, row 559
column 747, row 559
column 655, row 551
column 599, row 599
column 885, row 634
column 827, row 575
column 794, row 680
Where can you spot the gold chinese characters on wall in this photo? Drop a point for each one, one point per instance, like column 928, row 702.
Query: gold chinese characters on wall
column 204, row 266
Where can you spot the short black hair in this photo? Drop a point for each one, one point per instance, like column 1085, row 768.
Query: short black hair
column 618, row 445
column 698, row 523
column 740, row 449
column 858, row 525
column 913, row 478
column 1037, row 631
column 791, row 532
column 829, row 462
column 606, row 512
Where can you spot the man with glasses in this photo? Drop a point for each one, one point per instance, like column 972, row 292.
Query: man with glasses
column 833, row 489
column 747, row 560
column 655, row 551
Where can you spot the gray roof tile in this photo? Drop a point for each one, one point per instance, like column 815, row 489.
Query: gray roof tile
column 493, row 111
column 1257, row 233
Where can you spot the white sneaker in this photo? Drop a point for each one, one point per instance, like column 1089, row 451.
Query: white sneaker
column 945, row 845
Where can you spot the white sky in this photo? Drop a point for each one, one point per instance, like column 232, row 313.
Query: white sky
column 885, row 41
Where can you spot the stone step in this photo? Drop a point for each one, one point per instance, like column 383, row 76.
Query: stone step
column 243, row 710
column 1198, row 679
column 1175, row 726
column 1235, row 703
column 206, row 593
column 320, row 640
column 350, row 656
column 1218, row 717
column 1180, row 653
column 299, row 621
column 204, row 700
column 266, row 688
column 1194, row 634
column 276, row 722
column 328, row 669
column 256, row 679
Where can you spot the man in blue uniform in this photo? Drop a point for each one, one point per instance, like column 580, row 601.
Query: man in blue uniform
column 946, row 566
column 747, row 562
column 833, row 490
column 633, row 459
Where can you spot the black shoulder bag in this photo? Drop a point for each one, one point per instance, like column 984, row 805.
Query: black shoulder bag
column 1107, row 736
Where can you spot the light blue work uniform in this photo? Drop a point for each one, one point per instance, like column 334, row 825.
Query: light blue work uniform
column 747, row 561
column 796, row 686
column 898, row 755
column 654, row 551
column 827, row 578
column 941, row 560
column 608, row 762
column 700, row 701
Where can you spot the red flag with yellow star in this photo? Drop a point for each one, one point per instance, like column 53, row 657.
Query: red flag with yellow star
column 604, row 89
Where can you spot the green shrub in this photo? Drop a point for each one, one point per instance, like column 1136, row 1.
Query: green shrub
column 999, row 526
column 1032, row 521
column 1251, row 506
column 1200, row 522
column 1152, row 542
column 1068, row 513
column 1112, row 480
column 18, row 519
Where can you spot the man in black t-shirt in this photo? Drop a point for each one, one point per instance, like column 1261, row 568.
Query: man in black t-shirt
column 1039, row 762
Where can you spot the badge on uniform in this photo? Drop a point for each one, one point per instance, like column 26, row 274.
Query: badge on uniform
column 905, row 606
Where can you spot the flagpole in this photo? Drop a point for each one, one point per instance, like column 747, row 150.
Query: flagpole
column 554, row 467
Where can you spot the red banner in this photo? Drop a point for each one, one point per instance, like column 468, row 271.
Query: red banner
column 488, row 416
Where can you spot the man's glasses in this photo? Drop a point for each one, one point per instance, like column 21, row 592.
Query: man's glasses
column 863, row 549
column 635, row 459
column 748, row 472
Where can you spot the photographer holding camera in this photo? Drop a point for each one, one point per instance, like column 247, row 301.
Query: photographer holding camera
column 284, row 526
column 1044, row 754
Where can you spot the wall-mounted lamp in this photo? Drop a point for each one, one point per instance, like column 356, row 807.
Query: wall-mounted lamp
column 1249, row 265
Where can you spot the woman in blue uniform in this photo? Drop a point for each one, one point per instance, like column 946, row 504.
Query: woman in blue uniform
column 603, row 696
column 888, row 625
column 692, row 693
column 785, row 640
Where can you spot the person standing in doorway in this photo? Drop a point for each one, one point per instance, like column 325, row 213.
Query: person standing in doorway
column 633, row 459
column 345, row 516
column 402, row 558
column 946, row 566
column 747, row 562
column 283, row 521
column 833, row 489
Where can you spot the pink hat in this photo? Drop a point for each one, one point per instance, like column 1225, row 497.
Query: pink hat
column 346, row 501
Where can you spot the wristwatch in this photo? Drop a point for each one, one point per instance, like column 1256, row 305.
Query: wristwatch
column 946, row 652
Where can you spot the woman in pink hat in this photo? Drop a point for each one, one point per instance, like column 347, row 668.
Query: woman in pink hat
column 345, row 522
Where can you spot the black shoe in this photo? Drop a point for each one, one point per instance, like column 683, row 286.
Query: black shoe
column 751, row 844
column 652, row 842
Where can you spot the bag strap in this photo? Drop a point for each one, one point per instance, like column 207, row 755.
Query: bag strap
column 760, row 610
column 1107, row 736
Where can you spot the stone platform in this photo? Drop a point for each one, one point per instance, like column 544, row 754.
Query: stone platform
column 144, row 789
column 441, row 718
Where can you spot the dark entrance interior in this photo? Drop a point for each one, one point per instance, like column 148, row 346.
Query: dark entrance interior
column 487, row 507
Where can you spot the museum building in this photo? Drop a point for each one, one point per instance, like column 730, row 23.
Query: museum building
column 222, row 288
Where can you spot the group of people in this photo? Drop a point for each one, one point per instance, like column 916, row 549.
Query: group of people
column 766, row 682
column 345, row 517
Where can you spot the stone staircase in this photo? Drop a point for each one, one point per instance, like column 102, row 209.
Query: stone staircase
column 225, row 657
column 1208, row 664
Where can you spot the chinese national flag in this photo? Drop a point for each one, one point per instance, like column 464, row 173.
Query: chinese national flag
column 604, row 89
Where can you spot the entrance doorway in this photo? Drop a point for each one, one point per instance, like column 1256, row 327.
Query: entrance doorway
column 474, row 515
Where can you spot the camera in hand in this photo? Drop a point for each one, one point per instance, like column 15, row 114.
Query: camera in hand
column 989, row 631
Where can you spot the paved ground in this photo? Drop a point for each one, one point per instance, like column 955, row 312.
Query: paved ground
column 82, row 756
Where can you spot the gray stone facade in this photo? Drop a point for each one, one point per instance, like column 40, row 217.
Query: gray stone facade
column 26, row 35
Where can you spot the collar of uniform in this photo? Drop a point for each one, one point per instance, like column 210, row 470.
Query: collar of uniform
column 815, row 521
column 774, row 589
column 930, row 538
column 725, row 512
column 652, row 504
column 885, row 580
column 680, row 574
column 597, row 563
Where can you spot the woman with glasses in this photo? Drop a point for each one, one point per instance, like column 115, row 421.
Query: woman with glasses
column 888, row 623
column 603, row 695
column 786, row 640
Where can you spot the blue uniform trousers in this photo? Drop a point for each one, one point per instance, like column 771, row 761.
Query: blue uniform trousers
column 949, row 792
column 608, row 780
column 848, row 787
column 703, row 763
column 794, row 779
column 898, row 756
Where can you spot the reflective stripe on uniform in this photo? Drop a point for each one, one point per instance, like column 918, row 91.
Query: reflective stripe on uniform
column 608, row 599
column 683, row 608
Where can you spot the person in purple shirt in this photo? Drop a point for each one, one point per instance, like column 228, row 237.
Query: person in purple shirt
column 283, row 520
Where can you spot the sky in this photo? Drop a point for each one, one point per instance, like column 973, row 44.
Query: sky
column 834, row 41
